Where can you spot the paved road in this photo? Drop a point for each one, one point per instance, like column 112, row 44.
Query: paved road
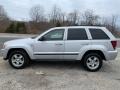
column 6, row 37
column 3, row 39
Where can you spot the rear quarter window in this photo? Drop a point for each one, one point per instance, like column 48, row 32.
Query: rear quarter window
column 98, row 34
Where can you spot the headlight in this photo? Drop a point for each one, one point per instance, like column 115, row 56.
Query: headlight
column 3, row 46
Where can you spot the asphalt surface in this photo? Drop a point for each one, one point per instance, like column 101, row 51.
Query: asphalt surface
column 4, row 39
column 59, row 76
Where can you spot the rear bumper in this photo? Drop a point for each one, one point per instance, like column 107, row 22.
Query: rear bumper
column 111, row 55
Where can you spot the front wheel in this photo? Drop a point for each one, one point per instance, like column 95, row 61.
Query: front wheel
column 93, row 62
column 18, row 59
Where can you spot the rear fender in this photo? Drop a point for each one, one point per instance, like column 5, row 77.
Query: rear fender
column 83, row 50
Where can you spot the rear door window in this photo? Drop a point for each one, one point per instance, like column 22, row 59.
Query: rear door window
column 77, row 34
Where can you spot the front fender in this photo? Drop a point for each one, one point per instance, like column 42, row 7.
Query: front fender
column 27, row 48
column 84, row 49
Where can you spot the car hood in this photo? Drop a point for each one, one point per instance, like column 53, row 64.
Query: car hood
column 19, row 41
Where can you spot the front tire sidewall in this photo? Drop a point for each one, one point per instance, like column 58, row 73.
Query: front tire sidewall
column 100, row 62
column 24, row 56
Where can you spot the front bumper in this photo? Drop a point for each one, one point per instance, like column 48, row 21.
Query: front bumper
column 4, row 53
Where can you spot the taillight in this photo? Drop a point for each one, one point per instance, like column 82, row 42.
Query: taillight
column 114, row 44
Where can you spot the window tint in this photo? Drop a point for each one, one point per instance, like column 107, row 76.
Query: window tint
column 98, row 34
column 54, row 35
column 77, row 34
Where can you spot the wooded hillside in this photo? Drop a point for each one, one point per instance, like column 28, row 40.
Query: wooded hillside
column 40, row 21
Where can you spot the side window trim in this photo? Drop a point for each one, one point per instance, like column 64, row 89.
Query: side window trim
column 88, row 34
column 65, row 34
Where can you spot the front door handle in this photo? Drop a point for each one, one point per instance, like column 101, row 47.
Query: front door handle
column 85, row 44
column 58, row 44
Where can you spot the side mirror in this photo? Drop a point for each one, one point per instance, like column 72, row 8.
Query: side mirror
column 42, row 38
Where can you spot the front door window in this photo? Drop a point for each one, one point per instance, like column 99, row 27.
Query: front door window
column 54, row 35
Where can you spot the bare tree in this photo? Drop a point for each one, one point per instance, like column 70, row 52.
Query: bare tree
column 56, row 15
column 110, row 22
column 37, row 14
column 73, row 17
column 63, row 18
column 113, row 21
column 89, row 18
column 4, row 19
column 3, row 14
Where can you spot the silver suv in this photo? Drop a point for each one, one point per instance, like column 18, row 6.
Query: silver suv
column 89, row 44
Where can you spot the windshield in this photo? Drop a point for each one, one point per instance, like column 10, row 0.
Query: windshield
column 37, row 34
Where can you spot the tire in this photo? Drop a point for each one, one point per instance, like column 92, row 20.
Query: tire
column 19, row 59
column 92, row 62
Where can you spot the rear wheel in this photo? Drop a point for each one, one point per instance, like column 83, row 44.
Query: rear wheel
column 93, row 62
column 18, row 59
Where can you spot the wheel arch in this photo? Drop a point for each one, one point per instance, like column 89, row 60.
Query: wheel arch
column 17, row 49
column 94, row 51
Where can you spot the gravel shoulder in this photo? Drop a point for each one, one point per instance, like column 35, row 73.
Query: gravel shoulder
column 60, row 76
column 57, row 75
